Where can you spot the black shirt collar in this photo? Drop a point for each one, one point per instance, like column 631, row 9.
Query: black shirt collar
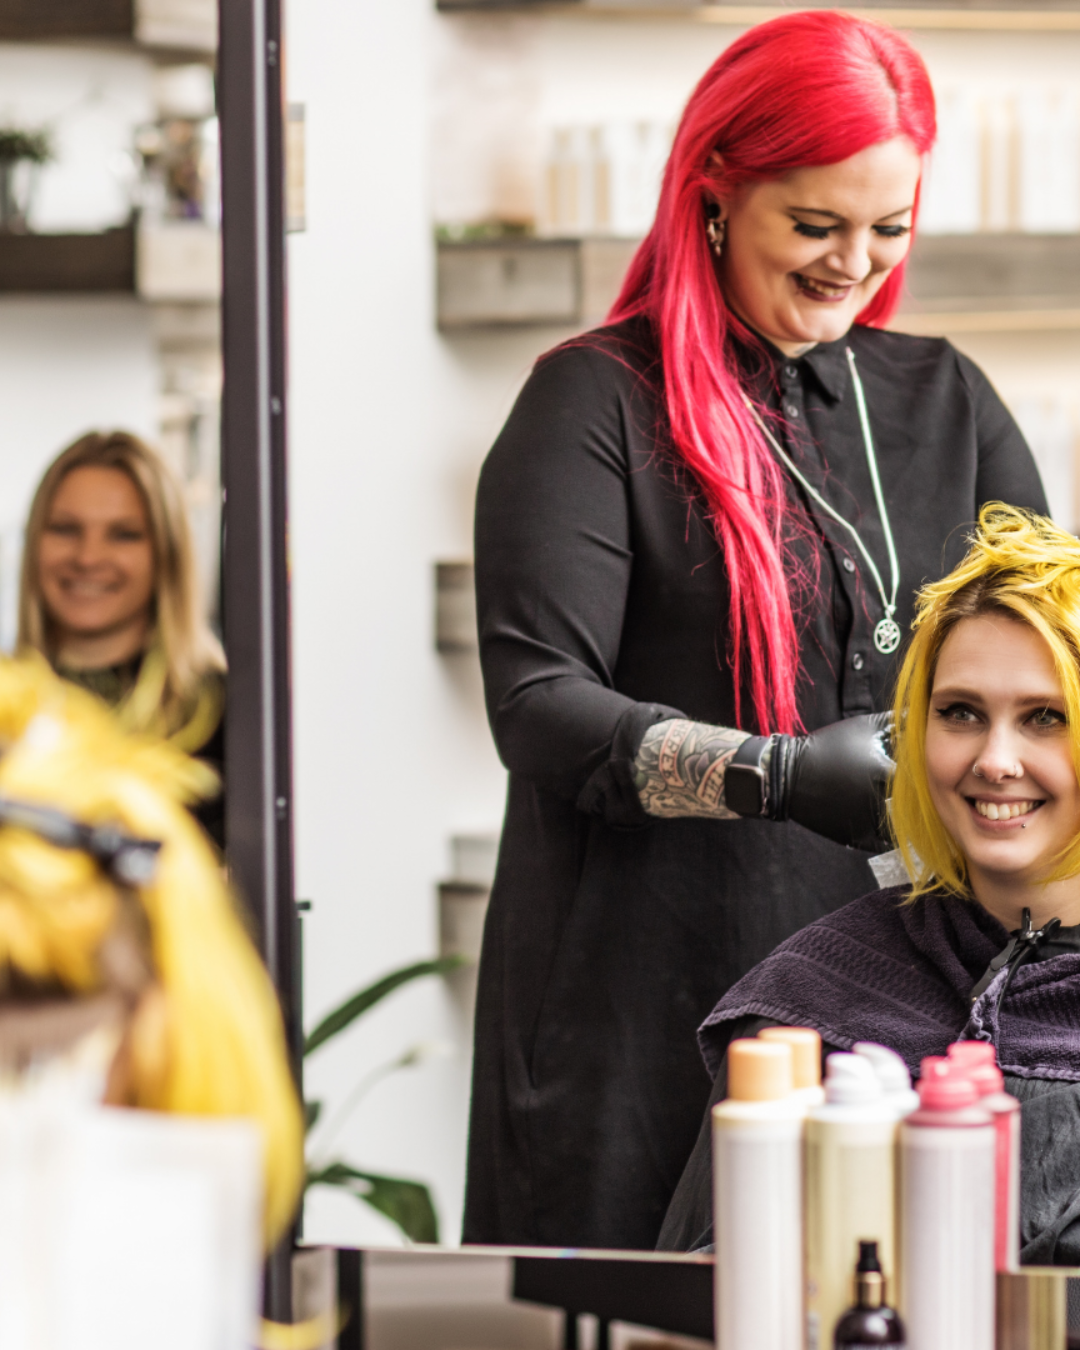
column 827, row 363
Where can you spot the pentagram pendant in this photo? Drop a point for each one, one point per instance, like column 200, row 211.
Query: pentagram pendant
column 887, row 636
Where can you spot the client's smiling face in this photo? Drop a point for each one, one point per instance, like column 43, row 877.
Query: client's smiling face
column 1000, row 768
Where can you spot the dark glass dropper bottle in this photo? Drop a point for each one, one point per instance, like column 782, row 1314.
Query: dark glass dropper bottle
column 870, row 1322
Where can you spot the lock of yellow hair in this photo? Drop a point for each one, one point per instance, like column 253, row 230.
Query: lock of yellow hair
column 207, row 1038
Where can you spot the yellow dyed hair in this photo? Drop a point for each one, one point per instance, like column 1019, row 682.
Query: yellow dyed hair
column 208, row 1039
column 1026, row 567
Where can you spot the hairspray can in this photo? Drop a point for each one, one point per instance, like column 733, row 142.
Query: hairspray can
column 977, row 1060
column 805, row 1059
column 947, row 1217
column 850, row 1193
column 757, row 1198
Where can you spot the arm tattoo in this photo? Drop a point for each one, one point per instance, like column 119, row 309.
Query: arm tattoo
column 679, row 770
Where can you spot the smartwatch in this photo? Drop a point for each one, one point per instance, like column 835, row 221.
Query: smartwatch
column 746, row 785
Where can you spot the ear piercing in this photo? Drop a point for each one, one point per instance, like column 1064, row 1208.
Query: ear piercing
column 715, row 228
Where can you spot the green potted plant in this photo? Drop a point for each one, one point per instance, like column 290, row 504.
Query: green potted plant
column 405, row 1201
column 21, row 155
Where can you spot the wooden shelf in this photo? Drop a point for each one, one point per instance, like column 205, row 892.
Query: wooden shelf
column 1012, row 17
column 178, row 26
column 518, row 282
column 58, row 263
column 969, row 283
column 940, row 323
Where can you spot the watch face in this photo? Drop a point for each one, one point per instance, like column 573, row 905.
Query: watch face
column 744, row 789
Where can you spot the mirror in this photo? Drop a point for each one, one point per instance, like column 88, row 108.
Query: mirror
column 110, row 285
column 456, row 228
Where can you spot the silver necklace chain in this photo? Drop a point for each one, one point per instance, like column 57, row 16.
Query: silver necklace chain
column 887, row 632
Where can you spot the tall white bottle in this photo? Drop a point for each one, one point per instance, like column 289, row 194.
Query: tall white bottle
column 757, row 1201
column 850, row 1190
column 978, row 1060
column 947, row 1216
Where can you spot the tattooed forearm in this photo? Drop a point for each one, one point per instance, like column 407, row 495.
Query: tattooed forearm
column 679, row 770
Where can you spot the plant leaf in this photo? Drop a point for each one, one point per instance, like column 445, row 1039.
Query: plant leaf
column 312, row 1112
column 354, row 1007
column 405, row 1203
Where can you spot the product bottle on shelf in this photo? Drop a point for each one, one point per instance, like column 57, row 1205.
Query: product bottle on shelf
column 871, row 1321
column 805, row 1059
column 850, row 1190
column 947, row 1215
column 978, row 1061
column 892, row 1075
column 757, row 1201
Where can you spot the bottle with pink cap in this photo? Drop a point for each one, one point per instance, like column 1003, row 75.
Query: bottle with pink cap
column 947, row 1152
column 978, row 1061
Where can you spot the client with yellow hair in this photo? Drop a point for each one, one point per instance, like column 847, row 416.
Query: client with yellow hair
column 116, row 927
column 983, row 942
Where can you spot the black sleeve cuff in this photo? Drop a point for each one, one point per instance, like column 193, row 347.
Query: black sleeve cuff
column 610, row 792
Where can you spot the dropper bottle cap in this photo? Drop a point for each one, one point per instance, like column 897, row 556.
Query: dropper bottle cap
column 869, row 1279
column 805, row 1051
column 759, row 1071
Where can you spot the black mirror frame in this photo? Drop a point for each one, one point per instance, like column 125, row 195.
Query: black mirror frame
column 255, row 583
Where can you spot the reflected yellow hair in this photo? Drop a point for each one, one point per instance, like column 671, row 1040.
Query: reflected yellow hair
column 206, row 1036
column 1026, row 567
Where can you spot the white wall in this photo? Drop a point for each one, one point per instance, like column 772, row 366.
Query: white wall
column 70, row 364
column 67, row 365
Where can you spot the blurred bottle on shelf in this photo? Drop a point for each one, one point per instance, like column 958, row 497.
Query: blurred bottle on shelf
column 1050, row 425
column 602, row 180
column 179, row 151
column 1006, row 160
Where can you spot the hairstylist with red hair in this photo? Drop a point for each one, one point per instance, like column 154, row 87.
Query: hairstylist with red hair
column 698, row 541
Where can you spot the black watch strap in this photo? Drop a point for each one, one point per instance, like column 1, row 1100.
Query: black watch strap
column 746, row 788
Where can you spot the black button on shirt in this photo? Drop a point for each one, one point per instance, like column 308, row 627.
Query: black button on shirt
column 603, row 608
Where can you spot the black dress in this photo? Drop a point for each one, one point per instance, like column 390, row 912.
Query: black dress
column 603, row 609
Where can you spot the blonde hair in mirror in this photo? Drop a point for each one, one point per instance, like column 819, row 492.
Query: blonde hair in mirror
column 1020, row 565
column 201, row 1031
column 179, row 691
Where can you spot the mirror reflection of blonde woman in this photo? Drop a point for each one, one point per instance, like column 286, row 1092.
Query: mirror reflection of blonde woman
column 109, row 594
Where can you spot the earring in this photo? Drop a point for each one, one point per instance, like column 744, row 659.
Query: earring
column 715, row 228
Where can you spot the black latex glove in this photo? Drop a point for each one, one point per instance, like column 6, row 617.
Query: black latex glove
column 833, row 781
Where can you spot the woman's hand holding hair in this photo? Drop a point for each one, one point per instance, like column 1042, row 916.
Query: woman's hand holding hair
column 833, row 781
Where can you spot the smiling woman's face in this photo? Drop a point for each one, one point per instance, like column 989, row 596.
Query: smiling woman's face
column 805, row 254
column 999, row 756
column 95, row 557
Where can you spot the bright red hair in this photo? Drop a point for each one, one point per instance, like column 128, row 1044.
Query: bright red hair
column 805, row 89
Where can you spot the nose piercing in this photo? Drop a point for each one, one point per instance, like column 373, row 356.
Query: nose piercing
column 1017, row 771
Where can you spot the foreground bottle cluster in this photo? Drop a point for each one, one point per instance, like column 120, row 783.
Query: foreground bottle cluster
column 829, row 1197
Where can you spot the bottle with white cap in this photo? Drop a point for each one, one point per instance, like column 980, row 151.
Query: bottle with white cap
column 805, row 1060
column 757, row 1200
column 947, row 1215
column 850, row 1189
column 893, row 1076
